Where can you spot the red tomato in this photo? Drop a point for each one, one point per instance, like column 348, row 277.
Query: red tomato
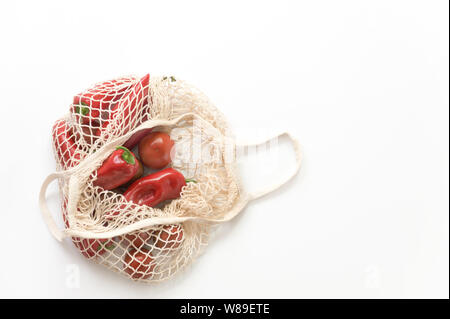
column 139, row 239
column 139, row 263
column 170, row 236
column 94, row 247
column 155, row 149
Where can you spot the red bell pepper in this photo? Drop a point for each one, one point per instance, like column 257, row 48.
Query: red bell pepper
column 94, row 247
column 170, row 236
column 91, row 106
column 64, row 142
column 156, row 188
column 129, row 105
column 101, row 96
column 119, row 168
column 138, row 174
column 139, row 263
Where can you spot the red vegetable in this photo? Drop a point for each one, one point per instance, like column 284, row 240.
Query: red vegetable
column 155, row 150
column 128, row 105
column 95, row 247
column 90, row 106
column 139, row 239
column 139, row 263
column 102, row 95
column 170, row 236
column 64, row 142
column 138, row 174
column 119, row 168
column 156, row 188
column 136, row 138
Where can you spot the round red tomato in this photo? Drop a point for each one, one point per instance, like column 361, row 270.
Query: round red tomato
column 139, row 263
column 170, row 236
column 155, row 150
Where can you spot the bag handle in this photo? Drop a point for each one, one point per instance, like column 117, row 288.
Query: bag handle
column 298, row 161
column 46, row 214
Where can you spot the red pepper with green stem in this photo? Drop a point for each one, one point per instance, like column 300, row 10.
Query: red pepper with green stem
column 95, row 247
column 90, row 106
column 119, row 168
column 99, row 106
column 100, row 97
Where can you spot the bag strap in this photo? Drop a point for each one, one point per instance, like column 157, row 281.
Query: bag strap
column 296, row 169
column 46, row 214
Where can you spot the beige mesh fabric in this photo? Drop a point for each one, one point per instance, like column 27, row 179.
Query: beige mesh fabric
column 172, row 106
column 148, row 244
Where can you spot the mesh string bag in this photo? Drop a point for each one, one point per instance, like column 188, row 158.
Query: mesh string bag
column 148, row 244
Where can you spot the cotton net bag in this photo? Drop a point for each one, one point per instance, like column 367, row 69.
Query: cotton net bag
column 169, row 236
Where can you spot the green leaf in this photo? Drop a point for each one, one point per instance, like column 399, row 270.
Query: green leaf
column 189, row 180
column 127, row 156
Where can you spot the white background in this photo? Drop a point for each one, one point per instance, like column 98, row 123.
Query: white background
column 362, row 84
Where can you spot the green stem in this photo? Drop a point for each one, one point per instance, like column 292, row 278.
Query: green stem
column 81, row 110
column 189, row 180
column 127, row 156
